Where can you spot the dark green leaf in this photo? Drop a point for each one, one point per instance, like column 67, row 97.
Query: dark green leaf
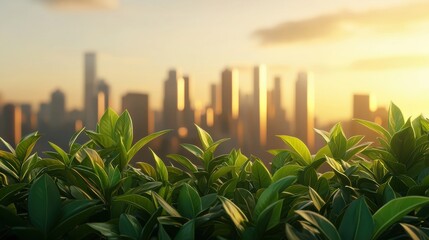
column 324, row 225
column 137, row 201
column 44, row 204
column 189, row 202
column 261, row 177
column 129, row 226
column 357, row 221
column 187, row 231
column 142, row 142
column 394, row 210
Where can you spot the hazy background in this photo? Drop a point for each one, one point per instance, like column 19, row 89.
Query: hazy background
column 368, row 46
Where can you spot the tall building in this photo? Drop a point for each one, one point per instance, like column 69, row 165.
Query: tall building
column 278, row 123
column 229, row 99
column 215, row 99
column 362, row 109
column 174, row 100
column 27, row 119
column 137, row 105
column 43, row 116
column 188, row 117
column 103, row 98
column 304, row 109
column 90, row 97
column 57, row 111
column 12, row 124
column 260, row 103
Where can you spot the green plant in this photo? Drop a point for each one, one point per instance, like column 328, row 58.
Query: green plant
column 92, row 190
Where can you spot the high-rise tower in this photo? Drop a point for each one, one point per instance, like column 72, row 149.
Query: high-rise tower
column 174, row 99
column 90, row 97
column 304, row 109
column 57, row 109
column 260, row 103
column 137, row 105
column 229, row 99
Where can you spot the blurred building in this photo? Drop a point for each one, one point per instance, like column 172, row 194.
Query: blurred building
column 12, row 123
column 277, row 122
column 173, row 100
column 137, row 105
column 28, row 119
column 260, row 104
column 304, row 109
column 229, row 101
column 103, row 98
column 90, row 90
column 57, row 111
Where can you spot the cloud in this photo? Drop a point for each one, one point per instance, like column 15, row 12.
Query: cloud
column 82, row 4
column 345, row 23
column 391, row 63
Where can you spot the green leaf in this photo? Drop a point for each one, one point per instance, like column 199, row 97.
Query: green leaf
column 161, row 169
column 7, row 193
column 287, row 170
column 219, row 173
column 162, row 234
column 321, row 223
column 205, row 138
column 142, row 142
column 167, row 207
column 403, row 144
column 149, row 226
column 269, row 218
column 74, row 213
column 9, row 218
column 11, row 149
column 124, row 129
column 395, row 120
column 137, row 201
column 357, row 221
column 271, row 194
column 129, row 226
column 26, row 145
column 107, row 229
column 44, row 204
column 237, row 216
column 208, row 200
column 338, row 142
column 64, row 157
column 94, row 157
column 147, row 169
column 184, row 161
column 74, row 137
column 374, row 127
column 196, row 151
column 414, row 232
column 108, row 122
column 299, row 148
column 187, row 231
column 394, row 210
column 189, row 202
column 261, row 177
column 318, row 201
column 100, row 139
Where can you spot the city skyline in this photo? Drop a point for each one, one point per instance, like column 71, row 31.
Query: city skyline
column 376, row 47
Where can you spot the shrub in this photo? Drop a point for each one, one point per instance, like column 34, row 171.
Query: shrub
column 91, row 191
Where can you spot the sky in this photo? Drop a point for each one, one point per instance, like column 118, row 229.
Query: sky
column 379, row 47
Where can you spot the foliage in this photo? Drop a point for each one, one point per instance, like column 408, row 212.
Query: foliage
column 91, row 190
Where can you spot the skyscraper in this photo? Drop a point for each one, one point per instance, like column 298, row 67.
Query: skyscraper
column 90, row 107
column 260, row 103
column 137, row 105
column 27, row 119
column 57, row 109
column 304, row 109
column 174, row 100
column 362, row 104
column 188, row 117
column 278, row 123
column 12, row 124
column 229, row 100
column 103, row 98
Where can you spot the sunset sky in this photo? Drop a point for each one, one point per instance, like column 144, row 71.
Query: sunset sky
column 368, row 46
